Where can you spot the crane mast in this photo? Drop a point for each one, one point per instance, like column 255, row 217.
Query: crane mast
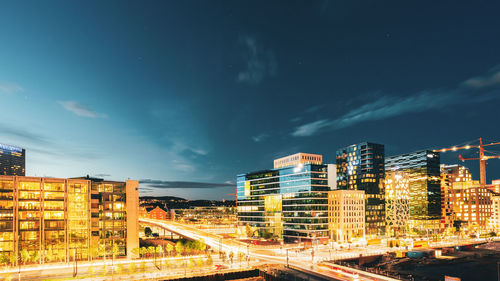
column 482, row 157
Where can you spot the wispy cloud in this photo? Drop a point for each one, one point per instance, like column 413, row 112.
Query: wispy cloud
column 183, row 184
column 260, row 63
column 102, row 175
column 81, row 109
column 10, row 88
column 484, row 81
column 260, row 137
column 389, row 106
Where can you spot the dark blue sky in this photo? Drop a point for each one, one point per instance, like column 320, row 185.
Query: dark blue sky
column 181, row 94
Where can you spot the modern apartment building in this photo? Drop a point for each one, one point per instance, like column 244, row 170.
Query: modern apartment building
column 60, row 220
column 289, row 202
column 346, row 215
column 449, row 175
column 12, row 160
column 423, row 170
column 472, row 205
column 361, row 167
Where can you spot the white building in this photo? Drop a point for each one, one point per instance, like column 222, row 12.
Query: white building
column 346, row 215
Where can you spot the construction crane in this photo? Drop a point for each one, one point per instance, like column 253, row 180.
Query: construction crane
column 482, row 157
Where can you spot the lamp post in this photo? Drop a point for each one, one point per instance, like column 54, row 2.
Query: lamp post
column 248, row 255
column 286, row 257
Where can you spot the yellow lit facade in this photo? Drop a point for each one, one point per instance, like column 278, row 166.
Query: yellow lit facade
column 346, row 215
column 494, row 222
column 52, row 220
column 397, row 208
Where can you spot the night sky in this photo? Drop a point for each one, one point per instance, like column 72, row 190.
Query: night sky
column 186, row 95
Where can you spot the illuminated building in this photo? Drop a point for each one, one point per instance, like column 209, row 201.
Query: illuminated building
column 449, row 175
column 208, row 215
column 494, row 222
column 472, row 204
column 422, row 168
column 12, row 160
column 290, row 202
column 346, row 215
column 58, row 220
column 298, row 158
column 361, row 167
column 158, row 214
column 397, row 205
column 495, row 186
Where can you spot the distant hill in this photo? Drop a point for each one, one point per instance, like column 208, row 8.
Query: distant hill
column 172, row 202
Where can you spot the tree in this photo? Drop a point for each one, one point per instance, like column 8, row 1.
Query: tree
column 170, row 248
column 248, row 230
column 143, row 251
column 493, row 234
column 231, row 257
column 151, row 250
column 159, row 249
column 241, row 256
column 4, row 258
column 147, row 231
column 25, row 256
column 179, row 247
column 136, row 251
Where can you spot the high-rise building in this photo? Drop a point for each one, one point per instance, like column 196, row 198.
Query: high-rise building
column 423, row 170
column 60, row 220
column 346, row 215
column 449, row 175
column 472, row 205
column 12, row 160
column 289, row 202
column 361, row 167
column 397, row 203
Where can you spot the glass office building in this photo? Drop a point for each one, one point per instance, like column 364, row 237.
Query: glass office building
column 423, row 169
column 12, row 160
column 53, row 220
column 361, row 167
column 288, row 202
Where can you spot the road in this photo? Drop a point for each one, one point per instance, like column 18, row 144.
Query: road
column 300, row 260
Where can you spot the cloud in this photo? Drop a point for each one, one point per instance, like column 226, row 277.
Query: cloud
column 260, row 63
column 80, row 109
column 19, row 134
column 386, row 107
column 389, row 106
column 183, row 184
column 102, row 175
column 484, row 81
column 260, row 137
column 10, row 88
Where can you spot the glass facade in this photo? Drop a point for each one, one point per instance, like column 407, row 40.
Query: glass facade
column 361, row 167
column 12, row 160
column 289, row 203
column 60, row 220
column 423, row 169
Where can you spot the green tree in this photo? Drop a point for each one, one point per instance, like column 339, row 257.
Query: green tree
column 179, row 247
column 143, row 251
column 35, row 257
column 231, row 257
column 25, row 256
column 159, row 249
column 148, row 231
column 136, row 251
column 248, row 231
column 170, row 248
column 151, row 250
column 4, row 258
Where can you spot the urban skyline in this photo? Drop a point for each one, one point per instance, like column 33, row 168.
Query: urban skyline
column 184, row 96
